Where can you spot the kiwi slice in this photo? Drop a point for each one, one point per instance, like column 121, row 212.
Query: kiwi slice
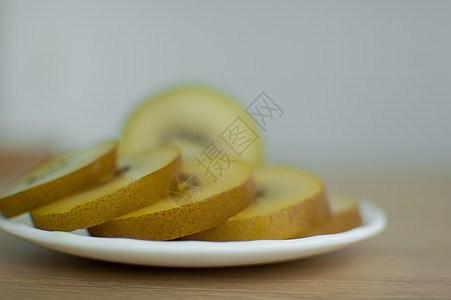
column 345, row 215
column 193, row 117
column 140, row 181
column 288, row 203
column 186, row 213
column 58, row 177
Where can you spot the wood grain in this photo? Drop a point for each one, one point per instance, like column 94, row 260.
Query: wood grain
column 411, row 259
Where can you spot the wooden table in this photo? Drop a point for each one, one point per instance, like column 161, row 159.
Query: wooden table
column 411, row 259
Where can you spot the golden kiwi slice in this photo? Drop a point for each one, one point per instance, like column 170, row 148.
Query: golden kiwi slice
column 345, row 215
column 139, row 182
column 58, row 177
column 288, row 203
column 172, row 217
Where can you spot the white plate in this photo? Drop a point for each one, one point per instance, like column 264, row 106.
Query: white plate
column 195, row 253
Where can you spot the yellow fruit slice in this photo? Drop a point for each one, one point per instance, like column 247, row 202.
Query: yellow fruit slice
column 289, row 203
column 139, row 182
column 59, row 177
column 192, row 117
column 345, row 215
column 172, row 218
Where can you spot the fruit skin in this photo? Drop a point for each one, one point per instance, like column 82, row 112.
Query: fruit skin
column 253, row 155
column 134, row 196
column 342, row 219
column 58, row 188
column 342, row 222
column 275, row 226
column 180, row 221
column 293, row 221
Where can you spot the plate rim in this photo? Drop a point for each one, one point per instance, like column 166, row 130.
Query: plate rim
column 117, row 249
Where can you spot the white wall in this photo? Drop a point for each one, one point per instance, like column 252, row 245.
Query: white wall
column 362, row 82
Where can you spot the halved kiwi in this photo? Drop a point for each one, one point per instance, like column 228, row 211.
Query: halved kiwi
column 192, row 117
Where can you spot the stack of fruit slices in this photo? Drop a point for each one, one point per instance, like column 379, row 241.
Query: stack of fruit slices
column 174, row 175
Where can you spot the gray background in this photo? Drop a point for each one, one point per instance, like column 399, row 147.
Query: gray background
column 363, row 83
